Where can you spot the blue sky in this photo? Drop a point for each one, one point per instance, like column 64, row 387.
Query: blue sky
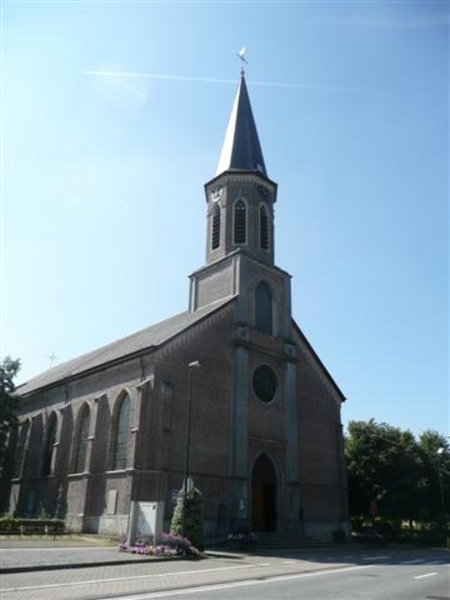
column 102, row 202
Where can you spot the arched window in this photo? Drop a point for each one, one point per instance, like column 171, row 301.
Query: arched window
column 240, row 222
column 263, row 308
column 21, row 449
column 264, row 235
column 215, row 232
column 81, row 439
column 121, row 434
column 49, row 445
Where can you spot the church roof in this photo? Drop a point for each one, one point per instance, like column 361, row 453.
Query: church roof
column 241, row 149
column 316, row 360
column 145, row 340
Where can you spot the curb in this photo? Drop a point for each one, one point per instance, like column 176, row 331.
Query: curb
column 87, row 565
column 110, row 563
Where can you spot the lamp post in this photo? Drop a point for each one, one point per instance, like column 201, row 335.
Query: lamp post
column 439, row 453
column 191, row 366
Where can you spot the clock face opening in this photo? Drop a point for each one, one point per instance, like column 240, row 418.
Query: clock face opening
column 216, row 193
column 264, row 192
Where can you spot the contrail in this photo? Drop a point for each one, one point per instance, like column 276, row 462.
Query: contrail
column 155, row 76
column 302, row 86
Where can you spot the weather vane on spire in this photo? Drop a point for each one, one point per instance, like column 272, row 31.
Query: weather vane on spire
column 241, row 55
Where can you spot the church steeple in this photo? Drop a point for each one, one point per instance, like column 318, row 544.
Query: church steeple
column 239, row 217
column 240, row 197
column 241, row 149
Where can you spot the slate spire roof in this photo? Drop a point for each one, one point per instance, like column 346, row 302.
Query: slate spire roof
column 241, row 149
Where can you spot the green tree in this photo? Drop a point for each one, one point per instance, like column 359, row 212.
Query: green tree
column 193, row 521
column 435, row 481
column 9, row 402
column 384, row 471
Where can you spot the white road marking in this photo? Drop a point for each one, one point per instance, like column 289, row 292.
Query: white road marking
column 235, row 584
column 117, row 579
column 426, row 575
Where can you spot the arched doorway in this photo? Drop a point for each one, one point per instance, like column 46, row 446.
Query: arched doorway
column 264, row 495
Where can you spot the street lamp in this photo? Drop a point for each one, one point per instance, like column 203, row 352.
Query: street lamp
column 191, row 366
column 439, row 453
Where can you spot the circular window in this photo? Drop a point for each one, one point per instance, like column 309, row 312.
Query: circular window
column 265, row 383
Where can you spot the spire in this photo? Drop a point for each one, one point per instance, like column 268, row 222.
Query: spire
column 241, row 149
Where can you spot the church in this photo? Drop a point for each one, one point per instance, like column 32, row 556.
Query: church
column 228, row 394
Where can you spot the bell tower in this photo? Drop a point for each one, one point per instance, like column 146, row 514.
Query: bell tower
column 240, row 236
column 240, row 198
column 240, row 266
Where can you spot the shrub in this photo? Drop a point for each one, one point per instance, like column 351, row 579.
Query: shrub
column 11, row 524
column 193, row 518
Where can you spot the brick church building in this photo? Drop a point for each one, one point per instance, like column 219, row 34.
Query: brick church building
column 265, row 441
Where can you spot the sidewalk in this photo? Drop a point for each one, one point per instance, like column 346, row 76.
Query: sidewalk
column 68, row 552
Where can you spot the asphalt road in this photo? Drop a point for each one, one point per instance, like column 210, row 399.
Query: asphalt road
column 348, row 583
column 337, row 574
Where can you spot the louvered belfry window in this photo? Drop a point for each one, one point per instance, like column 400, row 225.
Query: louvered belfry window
column 121, row 434
column 240, row 222
column 215, row 233
column 263, row 228
column 81, row 442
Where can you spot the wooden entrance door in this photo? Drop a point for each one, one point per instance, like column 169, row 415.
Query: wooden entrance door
column 264, row 495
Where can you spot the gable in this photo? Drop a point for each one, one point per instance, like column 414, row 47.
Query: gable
column 308, row 353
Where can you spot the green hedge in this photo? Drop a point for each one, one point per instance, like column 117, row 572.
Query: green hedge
column 9, row 525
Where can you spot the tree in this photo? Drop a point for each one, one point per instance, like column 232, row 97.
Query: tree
column 9, row 402
column 384, row 471
column 435, row 482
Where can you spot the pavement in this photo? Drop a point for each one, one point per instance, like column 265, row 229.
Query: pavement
column 46, row 569
column 38, row 553
column 35, row 553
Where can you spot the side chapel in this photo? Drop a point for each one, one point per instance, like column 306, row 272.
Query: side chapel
column 266, row 444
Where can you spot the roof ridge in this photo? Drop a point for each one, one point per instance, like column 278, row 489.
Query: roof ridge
column 140, row 340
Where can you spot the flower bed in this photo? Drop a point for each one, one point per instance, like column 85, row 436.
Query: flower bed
column 241, row 537
column 168, row 546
